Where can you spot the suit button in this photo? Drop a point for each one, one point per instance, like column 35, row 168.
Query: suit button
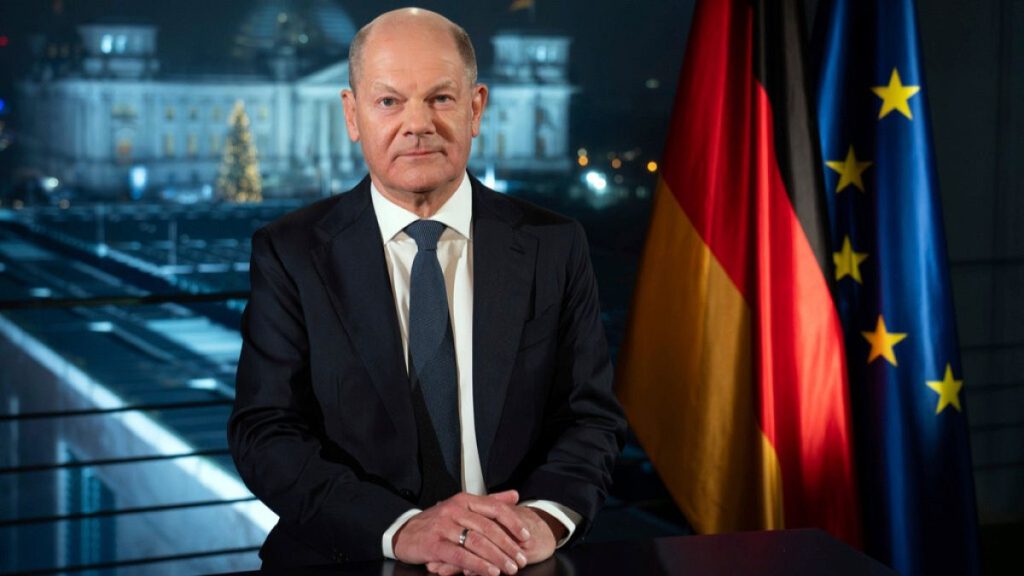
column 407, row 494
column 340, row 557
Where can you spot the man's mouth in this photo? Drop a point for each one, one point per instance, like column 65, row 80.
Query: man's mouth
column 419, row 152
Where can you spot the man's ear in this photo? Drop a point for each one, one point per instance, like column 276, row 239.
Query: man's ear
column 348, row 102
column 479, row 102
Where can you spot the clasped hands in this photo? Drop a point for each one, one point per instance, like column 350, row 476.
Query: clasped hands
column 472, row 534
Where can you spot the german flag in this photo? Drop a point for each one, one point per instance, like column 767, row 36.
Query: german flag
column 733, row 371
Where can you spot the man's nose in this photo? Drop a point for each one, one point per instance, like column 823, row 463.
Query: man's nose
column 419, row 119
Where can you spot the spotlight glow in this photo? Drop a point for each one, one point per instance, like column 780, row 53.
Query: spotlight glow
column 596, row 181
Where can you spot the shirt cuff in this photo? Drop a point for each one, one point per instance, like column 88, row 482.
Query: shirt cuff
column 389, row 534
column 565, row 516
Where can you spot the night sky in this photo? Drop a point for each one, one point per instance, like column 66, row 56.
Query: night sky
column 617, row 48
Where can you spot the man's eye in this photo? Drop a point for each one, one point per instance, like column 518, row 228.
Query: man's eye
column 443, row 99
column 388, row 101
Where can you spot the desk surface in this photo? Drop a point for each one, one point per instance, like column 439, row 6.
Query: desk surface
column 789, row 552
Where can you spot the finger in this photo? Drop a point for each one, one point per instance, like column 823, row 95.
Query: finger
column 444, row 569
column 462, row 557
column 480, row 544
column 504, row 515
column 510, row 497
column 496, row 534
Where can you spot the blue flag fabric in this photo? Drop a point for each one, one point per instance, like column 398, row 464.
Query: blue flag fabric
column 893, row 289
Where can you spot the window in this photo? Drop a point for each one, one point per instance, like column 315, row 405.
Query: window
column 168, row 144
column 124, row 151
column 90, row 540
column 169, row 113
column 192, row 145
column 123, row 112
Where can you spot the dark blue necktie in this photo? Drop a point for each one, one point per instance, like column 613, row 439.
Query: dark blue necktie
column 432, row 369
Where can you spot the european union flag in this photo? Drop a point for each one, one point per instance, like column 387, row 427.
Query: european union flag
column 893, row 289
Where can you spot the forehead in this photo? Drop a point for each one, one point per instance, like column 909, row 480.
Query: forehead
column 400, row 51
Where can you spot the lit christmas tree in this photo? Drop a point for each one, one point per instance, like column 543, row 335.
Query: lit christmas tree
column 239, row 179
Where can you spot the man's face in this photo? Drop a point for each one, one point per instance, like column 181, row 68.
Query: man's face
column 416, row 112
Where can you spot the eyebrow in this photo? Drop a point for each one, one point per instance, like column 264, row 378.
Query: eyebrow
column 379, row 86
column 444, row 84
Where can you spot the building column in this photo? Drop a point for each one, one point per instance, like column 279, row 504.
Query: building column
column 324, row 149
column 346, row 164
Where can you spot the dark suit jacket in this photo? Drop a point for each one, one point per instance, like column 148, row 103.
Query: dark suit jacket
column 323, row 429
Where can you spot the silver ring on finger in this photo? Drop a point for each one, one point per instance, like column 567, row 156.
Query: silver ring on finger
column 462, row 537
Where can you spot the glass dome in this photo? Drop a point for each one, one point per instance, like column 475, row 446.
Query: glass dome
column 304, row 25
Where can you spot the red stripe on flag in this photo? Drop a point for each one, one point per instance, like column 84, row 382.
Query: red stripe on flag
column 799, row 359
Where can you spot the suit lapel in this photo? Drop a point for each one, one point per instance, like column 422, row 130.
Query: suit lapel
column 503, row 272
column 350, row 262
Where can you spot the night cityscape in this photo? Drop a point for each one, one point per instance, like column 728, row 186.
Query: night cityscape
column 143, row 143
column 118, row 122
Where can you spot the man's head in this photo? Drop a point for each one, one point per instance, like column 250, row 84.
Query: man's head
column 414, row 104
column 462, row 42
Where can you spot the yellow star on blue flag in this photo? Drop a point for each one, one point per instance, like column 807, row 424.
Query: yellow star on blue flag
column 882, row 342
column 948, row 389
column 849, row 170
column 895, row 96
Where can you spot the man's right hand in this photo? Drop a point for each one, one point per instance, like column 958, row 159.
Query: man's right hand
column 493, row 542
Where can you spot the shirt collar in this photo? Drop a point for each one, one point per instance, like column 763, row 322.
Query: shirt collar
column 456, row 213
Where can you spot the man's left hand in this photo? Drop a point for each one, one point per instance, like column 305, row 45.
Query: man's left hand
column 545, row 532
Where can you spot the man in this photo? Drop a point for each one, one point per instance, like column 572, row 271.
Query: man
column 424, row 374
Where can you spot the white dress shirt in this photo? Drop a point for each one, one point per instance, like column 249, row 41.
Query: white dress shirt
column 455, row 254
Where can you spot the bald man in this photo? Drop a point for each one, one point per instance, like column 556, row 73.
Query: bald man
column 424, row 373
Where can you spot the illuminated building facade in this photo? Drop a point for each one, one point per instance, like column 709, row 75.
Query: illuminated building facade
column 90, row 124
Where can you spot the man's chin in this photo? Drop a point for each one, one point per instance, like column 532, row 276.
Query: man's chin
column 428, row 182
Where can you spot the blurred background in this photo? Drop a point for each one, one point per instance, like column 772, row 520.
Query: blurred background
column 142, row 143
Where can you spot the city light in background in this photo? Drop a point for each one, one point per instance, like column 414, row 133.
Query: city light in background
column 597, row 182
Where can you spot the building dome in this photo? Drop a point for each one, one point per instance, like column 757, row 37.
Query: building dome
column 306, row 26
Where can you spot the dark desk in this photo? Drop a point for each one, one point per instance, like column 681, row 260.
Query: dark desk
column 789, row 552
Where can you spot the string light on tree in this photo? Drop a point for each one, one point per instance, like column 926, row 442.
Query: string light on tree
column 239, row 179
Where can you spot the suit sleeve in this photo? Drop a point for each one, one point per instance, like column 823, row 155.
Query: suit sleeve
column 586, row 423
column 275, row 431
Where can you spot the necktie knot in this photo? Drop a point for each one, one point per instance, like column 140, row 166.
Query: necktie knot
column 426, row 233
